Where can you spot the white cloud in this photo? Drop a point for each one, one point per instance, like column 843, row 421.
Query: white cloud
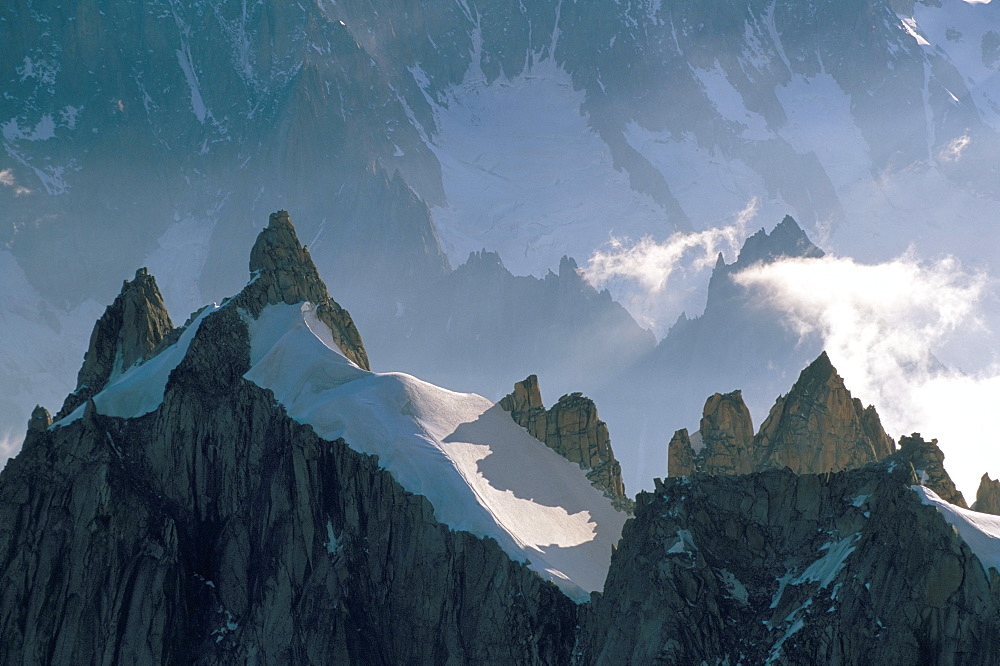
column 953, row 151
column 651, row 263
column 881, row 325
column 648, row 266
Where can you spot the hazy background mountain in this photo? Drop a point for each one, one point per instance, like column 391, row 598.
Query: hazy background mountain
column 639, row 139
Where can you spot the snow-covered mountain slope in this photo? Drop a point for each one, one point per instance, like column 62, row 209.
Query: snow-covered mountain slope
column 406, row 137
column 981, row 531
column 481, row 471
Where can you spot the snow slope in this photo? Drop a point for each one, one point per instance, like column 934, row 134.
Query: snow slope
column 481, row 471
column 981, row 531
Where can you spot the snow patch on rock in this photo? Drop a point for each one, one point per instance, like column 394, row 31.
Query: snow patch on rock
column 481, row 472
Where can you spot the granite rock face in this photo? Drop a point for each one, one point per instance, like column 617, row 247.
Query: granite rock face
column 817, row 427
column 573, row 430
column 988, row 496
column 130, row 331
column 774, row 567
column 283, row 272
column 724, row 440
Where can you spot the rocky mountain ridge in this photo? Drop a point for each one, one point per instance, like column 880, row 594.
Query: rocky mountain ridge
column 816, row 428
column 773, row 567
column 216, row 528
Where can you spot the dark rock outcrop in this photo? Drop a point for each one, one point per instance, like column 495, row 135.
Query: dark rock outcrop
column 216, row 530
column 40, row 420
column 987, row 496
column 927, row 461
column 130, row 331
column 573, row 430
column 282, row 271
column 774, row 567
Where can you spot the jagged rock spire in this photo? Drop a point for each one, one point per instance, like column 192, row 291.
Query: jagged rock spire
column 282, row 271
column 724, row 440
column 815, row 428
column 40, row 419
column 819, row 427
column 573, row 430
column 927, row 460
column 130, row 331
column 988, row 496
column 786, row 240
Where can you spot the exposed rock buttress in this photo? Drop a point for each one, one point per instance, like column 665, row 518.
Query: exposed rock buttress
column 130, row 331
column 573, row 430
column 817, row 427
column 281, row 271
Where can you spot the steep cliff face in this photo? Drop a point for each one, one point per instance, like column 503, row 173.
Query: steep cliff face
column 129, row 332
column 848, row 568
column 573, row 430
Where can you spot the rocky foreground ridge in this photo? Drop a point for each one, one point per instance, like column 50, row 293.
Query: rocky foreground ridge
column 215, row 529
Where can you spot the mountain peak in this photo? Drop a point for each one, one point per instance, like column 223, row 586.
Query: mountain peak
column 282, row 271
column 573, row 430
column 819, row 427
column 285, row 270
column 787, row 239
column 723, row 440
column 819, row 371
column 130, row 331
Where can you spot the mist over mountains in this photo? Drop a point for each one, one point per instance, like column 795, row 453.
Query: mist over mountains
column 441, row 160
